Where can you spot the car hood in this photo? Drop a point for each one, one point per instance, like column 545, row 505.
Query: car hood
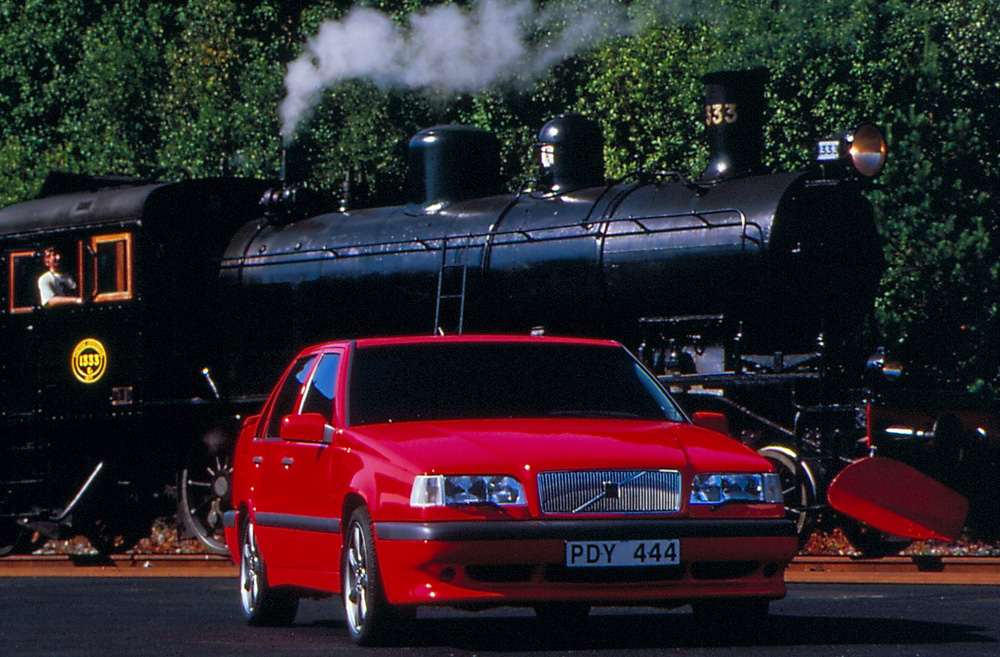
column 511, row 446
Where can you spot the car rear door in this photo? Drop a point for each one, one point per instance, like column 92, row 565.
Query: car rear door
column 275, row 494
column 314, row 516
column 295, row 506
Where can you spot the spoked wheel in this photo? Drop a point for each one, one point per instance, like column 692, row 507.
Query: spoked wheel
column 262, row 605
column 798, row 485
column 371, row 620
column 205, row 486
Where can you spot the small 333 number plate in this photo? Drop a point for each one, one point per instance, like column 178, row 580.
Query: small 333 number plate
column 623, row 553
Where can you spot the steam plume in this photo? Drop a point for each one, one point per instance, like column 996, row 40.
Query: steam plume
column 446, row 49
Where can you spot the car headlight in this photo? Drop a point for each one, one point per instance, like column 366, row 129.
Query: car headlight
column 719, row 488
column 441, row 490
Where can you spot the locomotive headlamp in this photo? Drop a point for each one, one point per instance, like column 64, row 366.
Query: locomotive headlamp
column 720, row 488
column 439, row 490
column 861, row 150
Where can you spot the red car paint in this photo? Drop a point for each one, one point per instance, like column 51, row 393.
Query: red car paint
column 894, row 498
column 300, row 491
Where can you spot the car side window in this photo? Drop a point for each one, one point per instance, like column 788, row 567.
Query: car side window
column 25, row 268
column 284, row 402
column 322, row 388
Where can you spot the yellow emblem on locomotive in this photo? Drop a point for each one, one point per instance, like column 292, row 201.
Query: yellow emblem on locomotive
column 89, row 361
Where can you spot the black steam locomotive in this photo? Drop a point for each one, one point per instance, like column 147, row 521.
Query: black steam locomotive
column 189, row 297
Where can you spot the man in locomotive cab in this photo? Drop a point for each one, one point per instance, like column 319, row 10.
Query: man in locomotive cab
column 54, row 287
column 571, row 154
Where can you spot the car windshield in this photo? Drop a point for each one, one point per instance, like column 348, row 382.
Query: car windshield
column 476, row 380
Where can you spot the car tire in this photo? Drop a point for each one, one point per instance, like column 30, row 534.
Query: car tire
column 262, row 605
column 370, row 619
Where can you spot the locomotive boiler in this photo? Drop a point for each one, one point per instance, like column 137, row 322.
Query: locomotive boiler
column 777, row 259
column 192, row 297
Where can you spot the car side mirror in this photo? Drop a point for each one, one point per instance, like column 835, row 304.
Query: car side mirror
column 714, row 421
column 306, row 428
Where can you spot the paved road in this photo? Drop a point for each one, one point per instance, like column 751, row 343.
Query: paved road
column 193, row 617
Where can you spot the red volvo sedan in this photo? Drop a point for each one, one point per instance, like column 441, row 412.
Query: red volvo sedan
column 479, row 471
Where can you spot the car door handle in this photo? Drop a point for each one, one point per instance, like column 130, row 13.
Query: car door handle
column 258, row 459
column 287, row 460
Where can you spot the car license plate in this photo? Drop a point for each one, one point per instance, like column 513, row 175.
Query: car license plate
column 623, row 553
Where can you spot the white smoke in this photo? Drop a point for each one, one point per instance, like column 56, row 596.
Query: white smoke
column 446, row 49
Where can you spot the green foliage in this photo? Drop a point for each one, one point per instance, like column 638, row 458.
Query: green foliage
column 646, row 92
column 169, row 88
column 225, row 81
column 112, row 120
column 941, row 101
column 39, row 50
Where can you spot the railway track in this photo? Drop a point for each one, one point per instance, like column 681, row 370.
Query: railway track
column 888, row 570
column 123, row 565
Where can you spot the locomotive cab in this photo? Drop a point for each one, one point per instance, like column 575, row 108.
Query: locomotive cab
column 104, row 327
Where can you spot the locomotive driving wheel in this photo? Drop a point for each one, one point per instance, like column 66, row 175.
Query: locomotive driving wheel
column 205, row 492
column 798, row 485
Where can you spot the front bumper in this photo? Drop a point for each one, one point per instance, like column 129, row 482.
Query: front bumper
column 522, row 562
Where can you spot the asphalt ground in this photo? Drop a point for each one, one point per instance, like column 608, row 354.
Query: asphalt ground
column 175, row 616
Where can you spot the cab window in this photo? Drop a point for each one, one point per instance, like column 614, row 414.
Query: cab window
column 25, row 268
column 322, row 388
column 288, row 394
column 47, row 276
column 112, row 278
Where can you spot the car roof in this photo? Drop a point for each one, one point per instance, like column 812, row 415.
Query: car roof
column 459, row 339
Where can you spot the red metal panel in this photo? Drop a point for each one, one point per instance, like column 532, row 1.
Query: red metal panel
column 897, row 499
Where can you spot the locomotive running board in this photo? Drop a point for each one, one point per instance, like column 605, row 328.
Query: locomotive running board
column 897, row 499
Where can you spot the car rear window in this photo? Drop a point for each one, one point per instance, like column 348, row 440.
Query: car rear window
column 447, row 381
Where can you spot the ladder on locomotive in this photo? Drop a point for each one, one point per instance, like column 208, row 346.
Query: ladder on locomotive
column 453, row 283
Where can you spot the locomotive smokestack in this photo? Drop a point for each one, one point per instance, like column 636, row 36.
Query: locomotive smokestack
column 288, row 201
column 734, row 126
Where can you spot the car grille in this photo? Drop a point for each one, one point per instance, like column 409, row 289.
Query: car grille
column 610, row 491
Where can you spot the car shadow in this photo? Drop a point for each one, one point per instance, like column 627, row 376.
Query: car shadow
column 652, row 629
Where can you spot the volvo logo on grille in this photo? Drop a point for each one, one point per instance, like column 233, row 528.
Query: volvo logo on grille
column 609, row 491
